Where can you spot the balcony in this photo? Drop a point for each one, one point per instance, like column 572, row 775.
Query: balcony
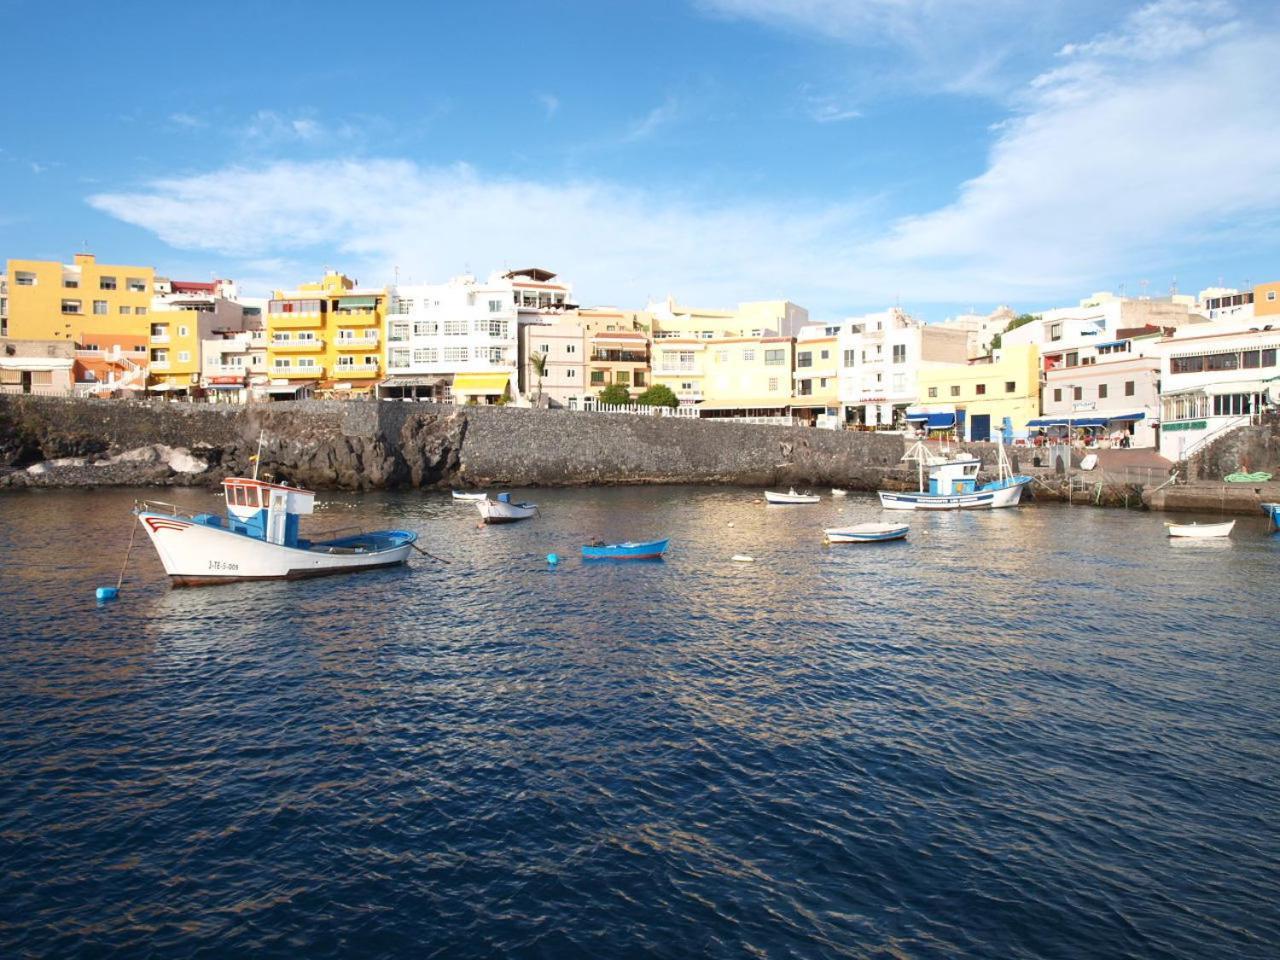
column 296, row 346
column 159, row 366
column 355, row 370
column 356, row 318
column 294, row 321
column 298, row 373
column 356, row 343
column 619, row 356
column 159, row 338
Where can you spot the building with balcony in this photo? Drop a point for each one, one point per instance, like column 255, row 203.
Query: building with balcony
column 325, row 339
column 747, row 377
column 816, row 394
column 1214, row 381
column 986, row 399
column 37, row 367
column 757, row 318
column 184, row 314
column 881, row 355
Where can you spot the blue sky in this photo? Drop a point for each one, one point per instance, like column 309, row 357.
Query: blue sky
column 845, row 154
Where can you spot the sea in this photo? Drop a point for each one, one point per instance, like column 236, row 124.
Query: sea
column 1049, row 731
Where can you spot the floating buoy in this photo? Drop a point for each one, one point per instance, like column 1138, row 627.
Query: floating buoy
column 552, row 559
column 731, row 523
column 742, row 558
column 107, row 593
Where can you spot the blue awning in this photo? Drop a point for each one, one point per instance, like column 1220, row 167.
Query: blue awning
column 1130, row 416
column 1084, row 421
column 1109, row 343
column 940, row 421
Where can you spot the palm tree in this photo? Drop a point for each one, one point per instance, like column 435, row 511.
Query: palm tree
column 539, row 361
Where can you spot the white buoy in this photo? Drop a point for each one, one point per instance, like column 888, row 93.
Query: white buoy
column 742, row 558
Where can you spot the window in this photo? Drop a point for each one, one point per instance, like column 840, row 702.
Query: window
column 306, row 361
column 100, row 308
column 69, row 283
column 70, row 306
column 1072, row 359
column 1102, row 391
column 1077, row 393
column 498, row 328
column 22, row 278
column 639, row 378
column 1269, row 357
column 399, row 358
column 282, row 364
column 569, row 374
column 933, row 392
column 456, row 354
column 1055, row 331
column 1129, row 387
column 623, row 377
column 980, row 389
column 822, row 383
column 773, row 384
column 126, row 310
column 1010, row 386
column 1223, row 361
column 849, row 357
column 346, row 361
column 1057, row 395
column 570, row 348
column 544, row 349
column 135, row 285
column 955, row 391
column 804, row 388
column 1251, row 359
column 899, row 382
column 1271, row 295
column 183, row 331
column 748, row 356
column 774, row 358
column 426, row 355
column 722, row 356
column 1186, row 365
column 184, row 356
column 597, row 376
column 899, row 353
column 106, row 283
column 804, row 358
column 1235, row 404
column 824, row 355
column 495, row 306
column 455, row 328
column 308, row 335
column 140, row 311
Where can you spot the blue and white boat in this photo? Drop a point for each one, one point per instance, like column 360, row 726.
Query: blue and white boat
column 1272, row 510
column 953, row 484
column 866, row 533
column 631, row 550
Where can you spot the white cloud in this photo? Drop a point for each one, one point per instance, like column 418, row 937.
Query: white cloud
column 649, row 124
column 188, row 120
column 269, row 126
column 826, row 109
column 550, row 104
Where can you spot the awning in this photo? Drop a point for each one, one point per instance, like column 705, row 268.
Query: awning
column 284, row 389
column 756, row 403
column 36, row 364
column 413, row 382
column 346, row 303
column 1079, row 421
column 226, row 386
column 933, row 421
column 167, row 387
column 226, row 381
column 1128, row 416
column 1239, row 386
column 481, row 384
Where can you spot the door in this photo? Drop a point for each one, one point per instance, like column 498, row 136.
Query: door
column 26, row 381
column 980, row 426
column 276, row 516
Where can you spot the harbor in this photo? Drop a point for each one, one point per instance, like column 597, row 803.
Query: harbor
column 493, row 739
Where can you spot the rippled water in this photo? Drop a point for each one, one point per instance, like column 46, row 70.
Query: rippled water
column 1040, row 732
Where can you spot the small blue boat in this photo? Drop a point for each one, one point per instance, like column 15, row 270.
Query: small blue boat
column 648, row 550
column 1272, row 510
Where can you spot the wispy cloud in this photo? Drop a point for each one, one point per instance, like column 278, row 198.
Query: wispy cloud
column 188, row 120
column 651, row 122
column 270, row 126
column 550, row 104
column 829, row 109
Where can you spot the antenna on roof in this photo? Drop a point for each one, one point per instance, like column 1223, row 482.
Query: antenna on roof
column 1173, row 287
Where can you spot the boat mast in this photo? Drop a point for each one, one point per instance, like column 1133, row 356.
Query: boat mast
column 257, row 457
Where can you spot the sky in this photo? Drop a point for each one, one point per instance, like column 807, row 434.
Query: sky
column 848, row 155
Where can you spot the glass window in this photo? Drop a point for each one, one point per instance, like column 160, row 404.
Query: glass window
column 495, row 306
column 748, row 356
column 899, row 353
column 106, row 283
column 774, row 358
column 136, row 285
column 1077, row 393
column 824, row 355
column 184, row 356
column 1269, row 357
column 140, row 311
column 1223, row 361
column 1102, row 391
column 773, row 384
column 981, row 389
column 24, row 278
column 1129, row 388
column 100, row 308
column 1251, row 359
column 804, row 358
column 955, row 391
column 597, row 376
column 1057, row 395
column 933, row 391
column 126, row 310
column 1010, row 386
column 69, row 283
column 70, row 306
column 1186, row 365
column 850, row 356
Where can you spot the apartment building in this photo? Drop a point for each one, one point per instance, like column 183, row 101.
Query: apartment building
column 325, row 339
column 881, row 355
column 980, row 330
column 816, row 394
column 183, row 315
column 39, row 367
column 989, row 398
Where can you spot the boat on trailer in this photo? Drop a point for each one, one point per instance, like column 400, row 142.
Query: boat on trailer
column 631, row 550
column 791, row 497
column 953, row 484
column 258, row 538
column 502, row 510
column 866, row 533
column 1200, row 531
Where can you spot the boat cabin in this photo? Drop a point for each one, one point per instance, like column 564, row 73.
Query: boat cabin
column 955, row 477
column 267, row 511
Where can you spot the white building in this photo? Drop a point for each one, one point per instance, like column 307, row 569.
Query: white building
column 980, row 329
column 459, row 341
column 880, row 358
column 1214, row 381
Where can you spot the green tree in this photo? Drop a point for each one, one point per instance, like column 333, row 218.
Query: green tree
column 1021, row 320
column 539, row 361
column 616, row 395
column 659, row 395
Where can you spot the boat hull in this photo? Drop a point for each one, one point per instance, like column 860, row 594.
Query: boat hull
column 1200, row 531
column 469, row 497
column 196, row 554
column 867, row 533
column 496, row 511
column 791, row 498
column 981, row 499
column 651, row 550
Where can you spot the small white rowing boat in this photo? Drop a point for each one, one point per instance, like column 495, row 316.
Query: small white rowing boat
column 463, row 495
column 837, row 492
column 502, row 510
column 1200, row 531
column 866, row 533
column 791, row 497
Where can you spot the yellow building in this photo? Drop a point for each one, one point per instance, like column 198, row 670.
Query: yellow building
column 324, row 339
column 617, row 349
column 760, row 318
column 984, row 398
column 1266, row 299
column 817, row 375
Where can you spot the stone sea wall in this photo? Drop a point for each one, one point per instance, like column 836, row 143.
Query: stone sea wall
column 357, row 446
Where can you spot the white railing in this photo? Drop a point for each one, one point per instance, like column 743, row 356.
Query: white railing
column 640, row 409
column 1200, row 443
column 36, row 389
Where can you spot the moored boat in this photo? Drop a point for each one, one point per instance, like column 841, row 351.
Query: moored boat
column 837, row 492
column 464, row 495
column 258, row 539
column 866, row 533
column 791, row 497
column 1200, row 531
column 953, row 484
column 502, row 510
column 631, row 550
column 1272, row 510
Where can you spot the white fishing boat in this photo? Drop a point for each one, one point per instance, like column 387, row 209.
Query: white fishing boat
column 1200, row 531
column 791, row 497
column 837, row 492
column 469, row 497
column 502, row 510
column 953, row 484
column 258, row 538
column 866, row 533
